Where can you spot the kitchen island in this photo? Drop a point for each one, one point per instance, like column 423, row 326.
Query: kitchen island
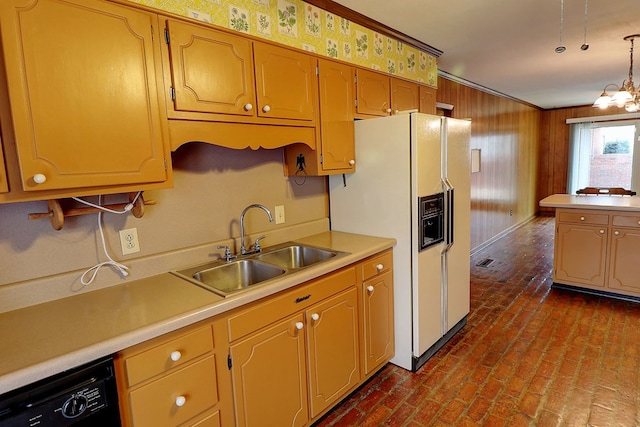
column 597, row 243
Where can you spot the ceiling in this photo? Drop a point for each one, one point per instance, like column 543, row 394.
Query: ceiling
column 509, row 46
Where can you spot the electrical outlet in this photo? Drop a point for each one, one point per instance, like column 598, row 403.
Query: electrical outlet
column 280, row 214
column 129, row 241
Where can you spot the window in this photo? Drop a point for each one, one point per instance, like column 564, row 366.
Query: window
column 604, row 154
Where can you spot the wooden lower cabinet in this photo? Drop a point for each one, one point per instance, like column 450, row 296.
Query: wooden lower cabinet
column 378, row 341
column 173, row 381
column 269, row 376
column 580, row 255
column 290, row 371
column 598, row 249
column 624, row 265
column 284, row 360
column 332, row 349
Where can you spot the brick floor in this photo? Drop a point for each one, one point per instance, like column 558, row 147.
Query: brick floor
column 529, row 355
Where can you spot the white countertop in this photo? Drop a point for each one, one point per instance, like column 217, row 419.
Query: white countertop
column 45, row 339
column 615, row 203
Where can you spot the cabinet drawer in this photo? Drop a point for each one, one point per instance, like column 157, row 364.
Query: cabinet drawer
column 583, row 218
column 156, row 403
column 159, row 359
column 208, row 420
column 377, row 265
column 261, row 314
column 626, row 221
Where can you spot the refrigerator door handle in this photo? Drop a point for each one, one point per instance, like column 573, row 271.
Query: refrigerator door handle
column 448, row 215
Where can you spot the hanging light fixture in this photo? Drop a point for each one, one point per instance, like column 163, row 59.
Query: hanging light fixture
column 627, row 94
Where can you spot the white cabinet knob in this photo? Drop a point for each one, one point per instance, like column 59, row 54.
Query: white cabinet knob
column 175, row 355
column 315, row 316
column 396, row 112
column 266, row 108
column 180, row 401
column 638, row 222
column 582, row 218
column 39, row 178
column 353, row 162
column 388, row 110
column 601, row 231
column 379, row 267
column 370, row 288
column 299, row 325
column 248, row 107
column 617, row 233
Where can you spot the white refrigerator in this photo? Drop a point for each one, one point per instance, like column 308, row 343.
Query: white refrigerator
column 401, row 161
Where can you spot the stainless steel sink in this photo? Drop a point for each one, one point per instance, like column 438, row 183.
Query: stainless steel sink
column 231, row 277
column 226, row 278
column 296, row 256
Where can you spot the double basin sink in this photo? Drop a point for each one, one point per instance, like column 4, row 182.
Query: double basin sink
column 228, row 277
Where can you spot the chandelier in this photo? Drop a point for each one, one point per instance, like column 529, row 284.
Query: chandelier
column 627, row 94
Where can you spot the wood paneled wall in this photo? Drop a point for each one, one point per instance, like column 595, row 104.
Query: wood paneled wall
column 503, row 193
column 554, row 147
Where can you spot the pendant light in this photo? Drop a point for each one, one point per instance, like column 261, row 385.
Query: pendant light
column 626, row 95
column 585, row 45
column 561, row 47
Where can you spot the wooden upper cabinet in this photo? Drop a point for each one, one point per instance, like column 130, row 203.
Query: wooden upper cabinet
column 372, row 93
column 211, row 71
column 378, row 94
column 83, row 94
column 286, row 83
column 404, row 96
column 336, row 116
column 427, row 100
column 4, row 184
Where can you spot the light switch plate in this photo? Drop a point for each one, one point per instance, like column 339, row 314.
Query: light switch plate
column 280, row 214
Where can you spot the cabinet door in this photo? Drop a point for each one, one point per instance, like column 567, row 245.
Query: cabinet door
column 336, row 116
column 427, row 100
column 269, row 376
column 82, row 86
column 332, row 334
column 372, row 93
column 378, row 321
column 624, row 268
column 580, row 254
column 4, row 185
column 286, row 83
column 404, row 95
column 211, row 71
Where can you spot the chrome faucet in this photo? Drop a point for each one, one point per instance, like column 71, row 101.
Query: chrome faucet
column 243, row 248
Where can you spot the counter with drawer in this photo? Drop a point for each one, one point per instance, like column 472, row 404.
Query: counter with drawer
column 597, row 243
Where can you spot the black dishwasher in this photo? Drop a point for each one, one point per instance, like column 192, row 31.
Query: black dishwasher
column 84, row 396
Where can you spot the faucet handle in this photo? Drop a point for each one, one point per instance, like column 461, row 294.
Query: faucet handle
column 256, row 246
column 228, row 256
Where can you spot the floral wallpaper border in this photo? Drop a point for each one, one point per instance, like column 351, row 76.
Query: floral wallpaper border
column 298, row 24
